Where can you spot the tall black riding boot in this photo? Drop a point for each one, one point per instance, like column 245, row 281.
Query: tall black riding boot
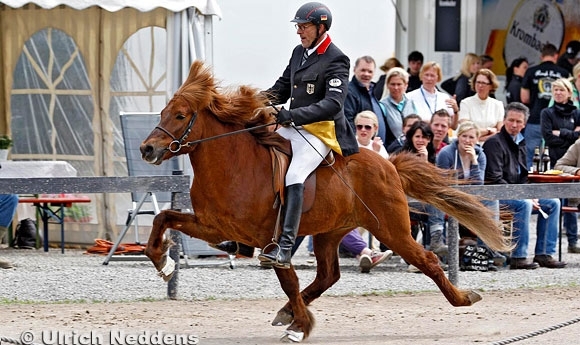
column 234, row 248
column 282, row 253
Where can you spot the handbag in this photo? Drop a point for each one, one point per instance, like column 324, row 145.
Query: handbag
column 475, row 258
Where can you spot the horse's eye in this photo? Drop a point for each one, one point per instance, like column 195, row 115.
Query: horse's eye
column 180, row 116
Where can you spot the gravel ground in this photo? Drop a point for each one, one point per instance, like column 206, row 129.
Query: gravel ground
column 75, row 276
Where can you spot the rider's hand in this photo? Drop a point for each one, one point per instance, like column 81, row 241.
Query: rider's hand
column 284, row 117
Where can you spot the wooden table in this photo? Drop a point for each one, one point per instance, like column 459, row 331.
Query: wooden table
column 561, row 178
column 547, row 178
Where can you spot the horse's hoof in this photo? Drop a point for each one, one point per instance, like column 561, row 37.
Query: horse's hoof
column 290, row 336
column 473, row 297
column 283, row 318
column 167, row 271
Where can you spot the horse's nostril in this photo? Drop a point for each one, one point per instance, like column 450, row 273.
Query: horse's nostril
column 146, row 150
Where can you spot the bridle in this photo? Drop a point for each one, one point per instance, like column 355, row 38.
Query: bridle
column 178, row 143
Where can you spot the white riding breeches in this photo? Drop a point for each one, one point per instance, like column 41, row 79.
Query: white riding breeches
column 307, row 153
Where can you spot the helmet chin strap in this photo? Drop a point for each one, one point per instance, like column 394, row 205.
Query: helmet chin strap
column 315, row 42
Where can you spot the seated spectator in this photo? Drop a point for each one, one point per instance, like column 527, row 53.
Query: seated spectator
column 408, row 121
column 570, row 164
column 468, row 161
column 8, row 203
column 507, row 164
column 367, row 126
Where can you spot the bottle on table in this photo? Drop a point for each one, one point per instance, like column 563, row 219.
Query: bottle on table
column 536, row 161
column 546, row 160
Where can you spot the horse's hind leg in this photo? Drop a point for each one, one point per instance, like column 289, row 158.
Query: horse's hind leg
column 400, row 241
column 327, row 273
column 303, row 319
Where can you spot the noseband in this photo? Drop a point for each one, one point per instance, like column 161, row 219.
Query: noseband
column 177, row 144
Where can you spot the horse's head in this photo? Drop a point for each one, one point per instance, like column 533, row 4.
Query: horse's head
column 198, row 110
column 177, row 124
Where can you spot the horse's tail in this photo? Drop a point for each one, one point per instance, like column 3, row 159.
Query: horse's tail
column 427, row 183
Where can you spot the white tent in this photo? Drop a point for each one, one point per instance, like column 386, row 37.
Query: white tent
column 68, row 67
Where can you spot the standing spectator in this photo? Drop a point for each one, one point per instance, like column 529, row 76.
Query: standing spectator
column 366, row 129
column 408, row 121
column 575, row 87
column 486, row 62
column 8, row 203
column 571, row 57
column 471, row 64
column 570, row 163
column 415, row 62
column 396, row 104
column 484, row 111
column 506, row 164
column 536, row 93
column 360, row 95
column 560, row 129
column 428, row 99
column 560, row 122
column 380, row 90
column 513, row 79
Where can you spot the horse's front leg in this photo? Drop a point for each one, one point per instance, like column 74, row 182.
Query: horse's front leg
column 327, row 273
column 157, row 247
column 303, row 319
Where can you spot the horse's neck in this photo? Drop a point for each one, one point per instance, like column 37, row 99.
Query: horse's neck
column 233, row 160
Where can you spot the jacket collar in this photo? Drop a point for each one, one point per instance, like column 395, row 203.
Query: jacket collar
column 324, row 45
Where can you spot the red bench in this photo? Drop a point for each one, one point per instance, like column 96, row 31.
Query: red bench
column 53, row 207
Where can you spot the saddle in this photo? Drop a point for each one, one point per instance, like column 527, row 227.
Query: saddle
column 280, row 154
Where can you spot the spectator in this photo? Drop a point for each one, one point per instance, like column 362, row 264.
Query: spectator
column 570, row 163
column 408, row 121
column 360, row 94
column 513, row 79
column 575, row 87
column 415, row 62
column 8, row 203
column 428, row 99
column 506, row 164
column 380, row 90
column 419, row 140
column 471, row 64
column 367, row 126
column 440, row 127
column 484, row 111
column 560, row 122
column 571, row 57
column 486, row 62
column 366, row 129
column 560, row 129
column 396, row 104
column 536, row 93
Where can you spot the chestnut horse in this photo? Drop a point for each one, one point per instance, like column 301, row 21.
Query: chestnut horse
column 232, row 194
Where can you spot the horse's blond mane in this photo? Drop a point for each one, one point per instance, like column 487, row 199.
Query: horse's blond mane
column 234, row 105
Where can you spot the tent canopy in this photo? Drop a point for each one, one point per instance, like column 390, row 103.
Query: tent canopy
column 206, row 7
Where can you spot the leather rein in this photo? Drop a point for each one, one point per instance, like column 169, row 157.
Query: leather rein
column 176, row 144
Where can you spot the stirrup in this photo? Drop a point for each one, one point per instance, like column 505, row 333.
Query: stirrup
column 269, row 262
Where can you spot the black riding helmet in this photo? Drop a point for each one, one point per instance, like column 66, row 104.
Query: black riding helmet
column 315, row 13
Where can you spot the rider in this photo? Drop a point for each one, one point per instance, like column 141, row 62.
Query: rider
column 315, row 81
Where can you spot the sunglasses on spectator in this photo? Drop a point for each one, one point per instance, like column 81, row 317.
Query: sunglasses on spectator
column 366, row 127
